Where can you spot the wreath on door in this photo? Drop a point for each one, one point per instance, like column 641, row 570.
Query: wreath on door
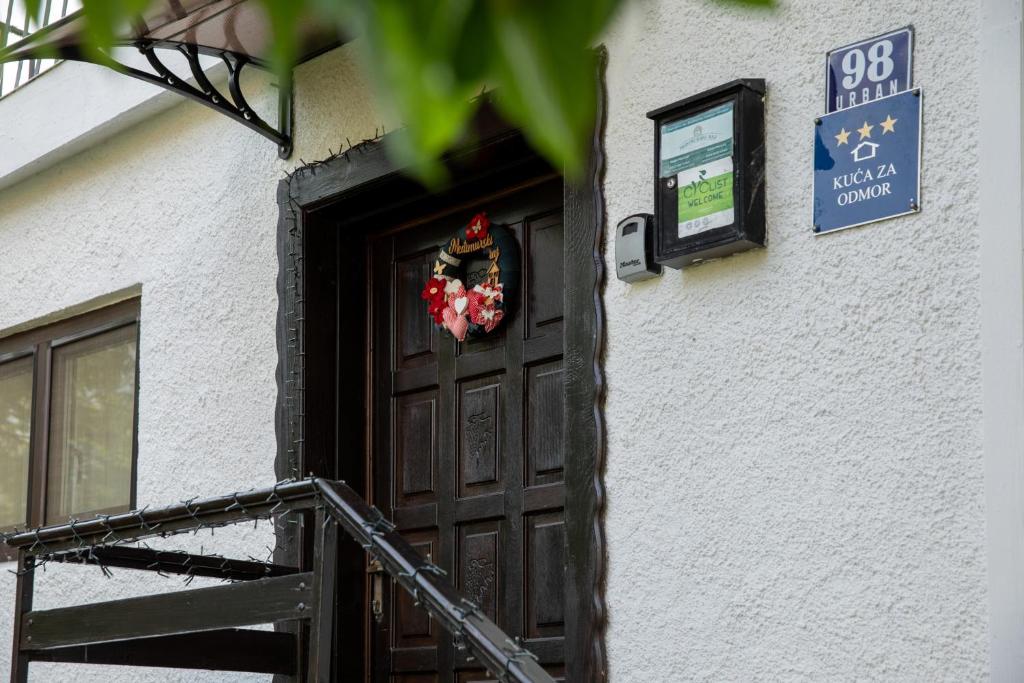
column 474, row 304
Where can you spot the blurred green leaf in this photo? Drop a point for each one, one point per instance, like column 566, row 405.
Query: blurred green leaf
column 545, row 78
column 428, row 60
column 413, row 49
column 33, row 9
column 284, row 17
column 105, row 21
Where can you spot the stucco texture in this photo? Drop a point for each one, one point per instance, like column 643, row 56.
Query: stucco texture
column 794, row 475
column 794, row 467
column 183, row 206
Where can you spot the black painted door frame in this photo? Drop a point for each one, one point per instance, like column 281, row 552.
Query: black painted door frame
column 354, row 186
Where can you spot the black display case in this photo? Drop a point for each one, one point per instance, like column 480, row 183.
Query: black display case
column 709, row 156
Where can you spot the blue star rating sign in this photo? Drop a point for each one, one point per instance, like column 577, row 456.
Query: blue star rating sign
column 867, row 162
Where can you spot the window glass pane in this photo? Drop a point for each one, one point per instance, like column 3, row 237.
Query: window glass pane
column 15, row 432
column 92, row 419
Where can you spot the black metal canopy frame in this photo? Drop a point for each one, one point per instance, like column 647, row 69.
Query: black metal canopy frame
column 198, row 628
column 234, row 31
column 236, row 107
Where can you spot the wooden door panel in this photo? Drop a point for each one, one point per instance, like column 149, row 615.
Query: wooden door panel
column 475, row 677
column 415, row 452
column 480, row 415
column 485, row 354
column 480, row 558
column 545, row 575
column 471, row 466
column 545, row 275
column 545, row 396
column 557, row 672
column 481, row 362
column 415, row 341
column 415, row 678
column 473, row 350
column 413, row 627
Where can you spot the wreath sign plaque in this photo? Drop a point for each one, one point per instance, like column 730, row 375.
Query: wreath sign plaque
column 478, row 310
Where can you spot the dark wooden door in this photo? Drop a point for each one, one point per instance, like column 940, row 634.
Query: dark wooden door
column 467, row 441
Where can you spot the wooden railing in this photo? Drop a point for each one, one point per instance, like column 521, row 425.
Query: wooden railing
column 204, row 628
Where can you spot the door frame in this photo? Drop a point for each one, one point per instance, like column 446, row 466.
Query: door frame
column 355, row 179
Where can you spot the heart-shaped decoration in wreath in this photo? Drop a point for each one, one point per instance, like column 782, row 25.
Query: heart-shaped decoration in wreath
column 480, row 309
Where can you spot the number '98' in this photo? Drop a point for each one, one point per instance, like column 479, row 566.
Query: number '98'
column 877, row 65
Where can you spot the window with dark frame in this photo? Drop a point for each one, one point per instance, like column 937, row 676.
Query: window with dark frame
column 68, row 419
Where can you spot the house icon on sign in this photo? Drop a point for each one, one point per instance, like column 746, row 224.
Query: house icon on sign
column 864, row 151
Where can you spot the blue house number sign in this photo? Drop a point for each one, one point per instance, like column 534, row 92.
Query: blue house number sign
column 867, row 162
column 869, row 70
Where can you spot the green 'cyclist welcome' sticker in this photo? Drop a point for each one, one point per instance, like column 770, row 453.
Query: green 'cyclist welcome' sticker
column 698, row 151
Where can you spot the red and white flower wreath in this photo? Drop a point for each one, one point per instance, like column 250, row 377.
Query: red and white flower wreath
column 480, row 309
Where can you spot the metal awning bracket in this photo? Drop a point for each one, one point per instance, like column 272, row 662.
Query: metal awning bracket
column 235, row 107
column 234, row 31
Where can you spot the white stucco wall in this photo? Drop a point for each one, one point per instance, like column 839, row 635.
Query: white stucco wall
column 183, row 206
column 795, row 480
